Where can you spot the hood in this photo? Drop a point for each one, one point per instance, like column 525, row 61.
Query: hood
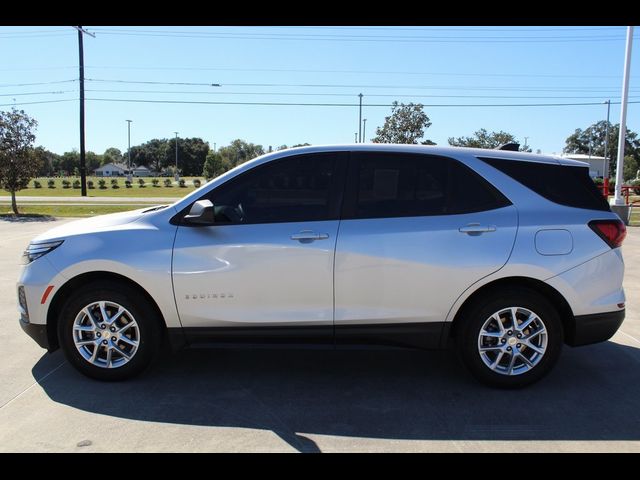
column 100, row 223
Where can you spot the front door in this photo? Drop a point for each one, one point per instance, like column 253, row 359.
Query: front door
column 268, row 261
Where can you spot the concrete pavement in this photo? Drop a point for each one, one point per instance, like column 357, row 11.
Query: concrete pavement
column 314, row 400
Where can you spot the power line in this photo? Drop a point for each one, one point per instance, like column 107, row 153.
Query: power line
column 35, row 93
column 305, row 104
column 36, row 83
column 378, row 39
column 327, row 85
column 45, row 101
column 328, row 94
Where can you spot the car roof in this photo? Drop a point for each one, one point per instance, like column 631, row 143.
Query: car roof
column 437, row 150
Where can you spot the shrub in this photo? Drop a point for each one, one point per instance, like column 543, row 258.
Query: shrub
column 51, row 183
column 114, row 183
column 90, row 184
column 167, row 182
column 76, row 184
column 197, row 182
column 127, row 183
column 141, row 182
column 634, row 183
column 182, row 183
column 155, row 182
column 102, row 183
column 37, row 184
column 66, row 183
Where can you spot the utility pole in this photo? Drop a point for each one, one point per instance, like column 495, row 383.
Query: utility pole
column 617, row 199
column 83, row 162
column 355, row 139
column 214, row 147
column 177, row 176
column 129, row 149
column 364, row 130
column 605, row 170
column 526, row 144
column 360, row 121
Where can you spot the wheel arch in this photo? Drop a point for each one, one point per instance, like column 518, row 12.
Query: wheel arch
column 69, row 287
column 554, row 296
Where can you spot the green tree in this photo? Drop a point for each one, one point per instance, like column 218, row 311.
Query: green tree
column 112, row 155
column 192, row 153
column 406, row 124
column 67, row 163
column 593, row 138
column 92, row 161
column 18, row 164
column 153, row 154
column 215, row 165
column 240, row 151
column 483, row 139
column 47, row 161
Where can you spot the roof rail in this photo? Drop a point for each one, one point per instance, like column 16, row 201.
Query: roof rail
column 512, row 147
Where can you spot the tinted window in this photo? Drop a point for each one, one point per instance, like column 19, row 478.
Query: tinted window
column 566, row 185
column 295, row 189
column 405, row 185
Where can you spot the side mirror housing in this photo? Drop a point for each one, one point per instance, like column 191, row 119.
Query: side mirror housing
column 201, row 213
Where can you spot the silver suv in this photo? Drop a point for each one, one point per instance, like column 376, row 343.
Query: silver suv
column 505, row 255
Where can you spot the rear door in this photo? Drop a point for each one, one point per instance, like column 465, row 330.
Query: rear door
column 417, row 230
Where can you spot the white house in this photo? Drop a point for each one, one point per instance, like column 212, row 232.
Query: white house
column 596, row 164
column 111, row 170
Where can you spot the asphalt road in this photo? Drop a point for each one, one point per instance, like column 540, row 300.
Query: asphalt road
column 314, row 400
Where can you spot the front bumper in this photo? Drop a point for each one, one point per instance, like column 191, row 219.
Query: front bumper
column 599, row 327
column 37, row 332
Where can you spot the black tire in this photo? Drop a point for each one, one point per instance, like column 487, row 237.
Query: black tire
column 150, row 329
column 475, row 316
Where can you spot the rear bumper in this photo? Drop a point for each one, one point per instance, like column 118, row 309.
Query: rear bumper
column 599, row 327
column 37, row 332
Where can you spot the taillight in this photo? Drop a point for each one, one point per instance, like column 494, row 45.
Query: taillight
column 611, row 231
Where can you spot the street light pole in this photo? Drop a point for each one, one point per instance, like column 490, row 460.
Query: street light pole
column 360, row 121
column 177, row 176
column 355, row 137
column 129, row 149
column 617, row 199
column 605, row 172
column 364, row 129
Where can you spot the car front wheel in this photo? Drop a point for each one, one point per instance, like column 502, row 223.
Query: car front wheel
column 107, row 334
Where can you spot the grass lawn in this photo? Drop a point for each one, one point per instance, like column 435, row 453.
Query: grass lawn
column 135, row 191
column 69, row 210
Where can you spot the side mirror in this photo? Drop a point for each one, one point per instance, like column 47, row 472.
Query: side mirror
column 201, row 213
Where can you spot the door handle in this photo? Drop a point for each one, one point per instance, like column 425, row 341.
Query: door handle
column 477, row 229
column 309, row 236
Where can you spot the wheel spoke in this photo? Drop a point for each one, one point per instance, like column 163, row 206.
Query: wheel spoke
column 527, row 322
column 514, row 318
column 87, row 312
column 497, row 319
column 94, row 356
column 133, row 343
column 491, row 348
column 103, row 312
column 121, row 352
column 83, row 328
column 533, row 347
column 109, row 350
column 81, row 343
column 496, row 362
column 512, row 362
column 484, row 333
column 122, row 329
column 116, row 316
column 526, row 360
column 536, row 333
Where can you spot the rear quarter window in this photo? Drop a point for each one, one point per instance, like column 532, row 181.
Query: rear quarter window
column 561, row 184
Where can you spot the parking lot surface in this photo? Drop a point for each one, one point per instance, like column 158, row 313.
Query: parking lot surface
column 269, row 400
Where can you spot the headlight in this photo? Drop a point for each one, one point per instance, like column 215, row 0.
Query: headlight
column 36, row 250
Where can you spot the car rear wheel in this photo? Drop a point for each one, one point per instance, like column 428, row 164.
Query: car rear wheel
column 511, row 338
column 107, row 334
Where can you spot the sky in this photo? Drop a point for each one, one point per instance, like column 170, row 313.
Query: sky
column 466, row 77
